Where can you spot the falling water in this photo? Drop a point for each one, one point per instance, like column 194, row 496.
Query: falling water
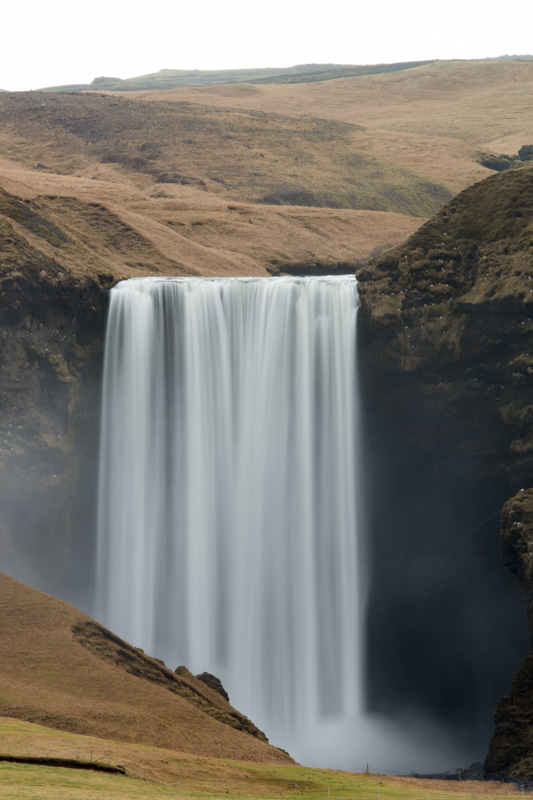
column 228, row 485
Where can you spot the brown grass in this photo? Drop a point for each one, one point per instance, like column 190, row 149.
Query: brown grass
column 182, row 230
column 433, row 119
column 482, row 103
column 180, row 184
column 242, row 155
column 51, row 676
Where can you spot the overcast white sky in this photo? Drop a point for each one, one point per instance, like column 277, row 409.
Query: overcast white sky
column 60, row 42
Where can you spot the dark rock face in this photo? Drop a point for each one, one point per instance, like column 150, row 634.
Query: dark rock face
column 446, row 333
column 50, row 354
column 214, row 682
column 452, row 311
column 511, row 748
column 517, row 543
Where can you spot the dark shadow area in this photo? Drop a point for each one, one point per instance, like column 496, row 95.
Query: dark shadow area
column 447, row 626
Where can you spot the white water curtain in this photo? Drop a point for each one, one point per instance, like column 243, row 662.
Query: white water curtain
column 228, row 490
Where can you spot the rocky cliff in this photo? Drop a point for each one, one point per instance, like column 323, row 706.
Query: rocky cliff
column 511, row 748
column 447, row 353
column 50, row 354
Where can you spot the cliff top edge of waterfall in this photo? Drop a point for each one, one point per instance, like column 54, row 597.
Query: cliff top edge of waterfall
column 241, row 279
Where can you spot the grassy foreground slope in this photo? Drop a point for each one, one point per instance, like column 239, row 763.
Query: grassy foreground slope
column 157, row 773
column 61, row 669
column 71, row 690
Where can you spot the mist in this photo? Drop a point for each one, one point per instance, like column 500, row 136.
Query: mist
column 373, row 743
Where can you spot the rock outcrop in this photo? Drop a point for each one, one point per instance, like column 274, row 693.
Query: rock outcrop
column 96, row 684
column 517, row 543
column 511, row 748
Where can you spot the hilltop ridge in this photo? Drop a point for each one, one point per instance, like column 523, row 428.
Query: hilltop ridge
column 174, row 78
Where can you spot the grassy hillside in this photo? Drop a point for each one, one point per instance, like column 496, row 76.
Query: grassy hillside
column 250, row 178
column 441, row 119
column 73, row 693
column 274, row 159
column 131, row 188
column 63, row 670
column 481, row 103
column 110, row 227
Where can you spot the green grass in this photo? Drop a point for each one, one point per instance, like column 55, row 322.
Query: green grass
column 51, row 783
column 154, row 772
column 29, row 781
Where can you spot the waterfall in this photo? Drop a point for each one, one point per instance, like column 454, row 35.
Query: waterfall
column 228, row 492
